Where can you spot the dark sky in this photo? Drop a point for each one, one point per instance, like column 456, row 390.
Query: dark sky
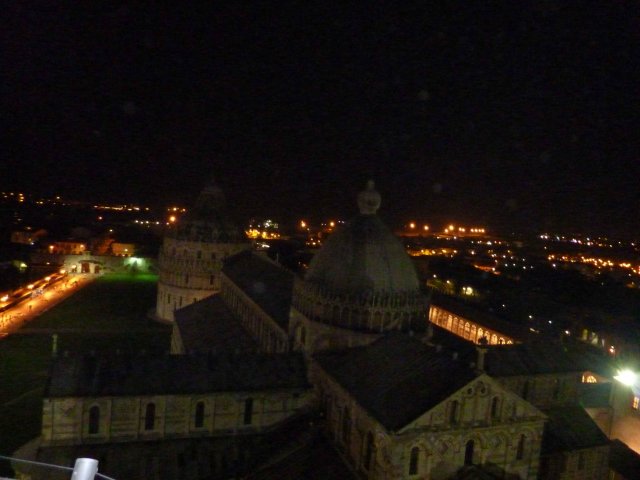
column 512, row 114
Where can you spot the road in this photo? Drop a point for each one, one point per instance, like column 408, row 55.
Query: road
column 16, row 317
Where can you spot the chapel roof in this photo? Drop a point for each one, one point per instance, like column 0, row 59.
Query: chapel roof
column 89, row 376
column 382, row 376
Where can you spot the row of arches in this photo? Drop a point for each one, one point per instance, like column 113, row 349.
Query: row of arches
column 354, row 317
column 467, row 329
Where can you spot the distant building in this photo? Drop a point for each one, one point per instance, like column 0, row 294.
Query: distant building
column 27, row 236
column 193, row 252
column 120, row 249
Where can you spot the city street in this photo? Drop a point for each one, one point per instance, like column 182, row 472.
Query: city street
column 19, row 315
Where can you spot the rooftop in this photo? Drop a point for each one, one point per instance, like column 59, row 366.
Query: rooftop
column 266, row 283
column 90, row 376
column 209, row 326
column 383, row 375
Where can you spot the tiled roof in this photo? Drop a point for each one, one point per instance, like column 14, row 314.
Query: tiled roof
column 397, row 378
column 209, row 326
column 174, row 374
column 570, row 428
column 266, row 283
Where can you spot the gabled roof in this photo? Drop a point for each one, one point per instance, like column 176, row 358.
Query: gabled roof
column 175, row 374
column 570, row 428
column 209, row 326
column 396, row 378
column 266, row 283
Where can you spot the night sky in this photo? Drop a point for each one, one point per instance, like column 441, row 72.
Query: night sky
column 509, row 114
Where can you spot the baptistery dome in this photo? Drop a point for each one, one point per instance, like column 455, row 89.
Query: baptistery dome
column 208, row 220
column 362, row 278
column 193, row 252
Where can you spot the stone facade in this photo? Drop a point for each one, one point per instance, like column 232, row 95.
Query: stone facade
column 480, row 423
column 105, row 419
column 189, row 271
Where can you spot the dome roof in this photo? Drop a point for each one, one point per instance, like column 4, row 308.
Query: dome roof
column 362, row 279
column 364, row 256
column 208, row 220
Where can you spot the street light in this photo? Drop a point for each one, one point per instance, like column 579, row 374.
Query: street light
column 626, row 377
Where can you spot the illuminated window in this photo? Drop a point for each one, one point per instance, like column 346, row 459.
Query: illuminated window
column 589, row 379
column 636, row 403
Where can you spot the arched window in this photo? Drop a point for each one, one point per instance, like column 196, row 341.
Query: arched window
column 556, row 389
column 248, row 411
column 520, row 449
column 525, row 390
column 346, row 426
column 199, row 420
column 454, row 412
column 94, row 419
column 495, row 406
column 150, row 416
column 368, row 451
column 414, row 461
column 468, row 453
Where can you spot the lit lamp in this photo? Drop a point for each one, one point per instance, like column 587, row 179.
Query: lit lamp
column 626, row 377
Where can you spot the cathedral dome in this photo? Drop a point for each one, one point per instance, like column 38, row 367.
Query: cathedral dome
column 364, row 256
column 208, row 220
column 363, row 269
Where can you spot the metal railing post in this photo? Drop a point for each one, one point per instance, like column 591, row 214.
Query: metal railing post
column 85, row 469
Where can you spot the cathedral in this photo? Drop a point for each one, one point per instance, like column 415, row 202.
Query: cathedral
column 334, row 374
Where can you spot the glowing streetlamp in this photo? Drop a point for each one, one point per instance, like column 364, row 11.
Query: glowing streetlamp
column 627, row 377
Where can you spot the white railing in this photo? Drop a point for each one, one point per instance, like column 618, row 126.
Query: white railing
column 84, row 468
